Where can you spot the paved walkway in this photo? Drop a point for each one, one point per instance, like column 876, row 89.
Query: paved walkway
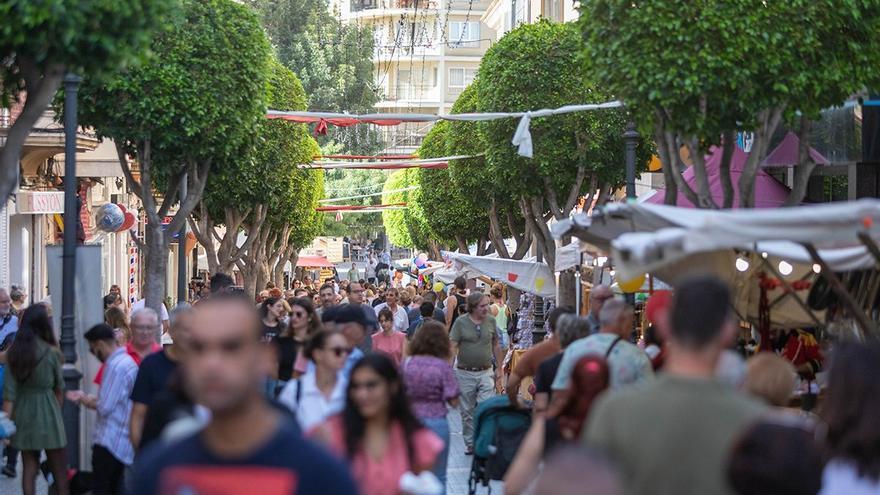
column 457, row 483
column 459, row 469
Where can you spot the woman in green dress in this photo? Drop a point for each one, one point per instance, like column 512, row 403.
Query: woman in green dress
column 32, row 393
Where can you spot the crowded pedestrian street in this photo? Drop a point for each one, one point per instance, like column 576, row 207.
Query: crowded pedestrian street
column 439, row 247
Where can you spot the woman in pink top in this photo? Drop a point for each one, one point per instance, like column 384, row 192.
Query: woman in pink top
column 389, row 340
column 377, row 432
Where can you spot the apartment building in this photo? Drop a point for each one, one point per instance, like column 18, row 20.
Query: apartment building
column 426, row 53
column 503, row 15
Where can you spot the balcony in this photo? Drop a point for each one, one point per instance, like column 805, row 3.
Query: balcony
column 414, row 93
column 365, row 5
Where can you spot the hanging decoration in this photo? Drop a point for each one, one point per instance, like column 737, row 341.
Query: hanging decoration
column 390, row 206
column 522, row 139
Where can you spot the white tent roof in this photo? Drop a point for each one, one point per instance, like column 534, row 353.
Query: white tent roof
column 672, row 243
column 525, row 275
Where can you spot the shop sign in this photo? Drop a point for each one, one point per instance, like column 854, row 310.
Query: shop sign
column 39, row 202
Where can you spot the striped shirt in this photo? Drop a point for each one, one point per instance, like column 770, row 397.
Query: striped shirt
column 114, row 406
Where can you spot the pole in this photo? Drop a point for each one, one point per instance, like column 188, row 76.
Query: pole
column 71, row 374
column 181, row 249
column 630, row 141
column 538, row 332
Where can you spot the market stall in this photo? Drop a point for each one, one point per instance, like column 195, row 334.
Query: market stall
column 796, row 256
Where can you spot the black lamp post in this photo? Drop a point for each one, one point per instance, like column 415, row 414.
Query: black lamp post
column 71, row 374
column 181, row 252
column 630, row 141
column 538, row 331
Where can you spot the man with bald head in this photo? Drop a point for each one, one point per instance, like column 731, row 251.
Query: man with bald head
column 598, row 296
column 248, row 446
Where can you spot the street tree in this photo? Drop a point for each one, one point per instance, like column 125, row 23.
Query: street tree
column 263, row 178
column 577, row 155
column 41, row 41
column 394, row 219
column 450, row 213
column 187, row 112
column 340, row 183
column 333, row 60
column 698, row 74
column 475, row 182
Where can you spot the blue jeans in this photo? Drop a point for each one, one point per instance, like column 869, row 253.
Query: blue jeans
column 440, row 426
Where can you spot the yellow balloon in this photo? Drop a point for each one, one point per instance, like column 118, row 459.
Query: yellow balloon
column 438, row 286
column 631, row 285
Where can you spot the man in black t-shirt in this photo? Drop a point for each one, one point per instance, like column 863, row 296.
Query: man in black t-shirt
column 153, row 380
column 248, row 446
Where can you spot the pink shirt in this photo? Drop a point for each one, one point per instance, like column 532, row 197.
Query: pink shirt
column 382, row 476
column 390, row 344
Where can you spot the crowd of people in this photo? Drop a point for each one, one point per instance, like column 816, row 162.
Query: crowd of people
column 347, row 388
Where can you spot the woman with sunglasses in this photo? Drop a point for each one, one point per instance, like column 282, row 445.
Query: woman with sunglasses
column 303, row 324
column 377, row 433
column 389, row 340
column 320, row 393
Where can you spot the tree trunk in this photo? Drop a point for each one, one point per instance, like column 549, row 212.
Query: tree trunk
column 155, row 270
column 462, row 245
column 434, row 250
column 495, row 231
column 567, row 289
column 768, row 122
column 805, row 166
column 727, row 145
column 39, row 91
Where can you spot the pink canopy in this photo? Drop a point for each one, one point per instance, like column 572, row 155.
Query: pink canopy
column 769, row 193
column 786, row 154
column 314, row 262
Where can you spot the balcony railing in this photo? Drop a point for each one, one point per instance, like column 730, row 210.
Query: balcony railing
column 362, row 5
column 413, row 92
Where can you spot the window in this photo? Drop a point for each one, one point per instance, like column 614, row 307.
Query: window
column 459, row 77
column 464, row 34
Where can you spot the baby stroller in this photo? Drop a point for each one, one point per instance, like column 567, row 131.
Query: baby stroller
column 499, row 428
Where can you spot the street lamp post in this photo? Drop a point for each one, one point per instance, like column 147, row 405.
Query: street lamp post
column 538, row 332
column 630, row 141
column 71, row 375
column 181, row 251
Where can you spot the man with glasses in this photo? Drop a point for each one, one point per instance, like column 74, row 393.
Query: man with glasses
column 152, row 377
column 474, row 341
column 247, row 446
column 598, row 296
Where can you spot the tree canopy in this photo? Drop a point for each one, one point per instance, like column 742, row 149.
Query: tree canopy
column 332, row 59
column 452, row 216
column 696, row 73
column 261, row 188
column 537, row 66
column 41, row 41
column 395, row 220
column 193, row 107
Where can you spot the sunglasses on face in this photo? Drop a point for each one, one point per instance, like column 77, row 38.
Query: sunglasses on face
column 298, row 314
column 339, row 351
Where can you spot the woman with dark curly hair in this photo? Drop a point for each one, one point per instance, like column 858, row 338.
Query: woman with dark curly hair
column 431, row 384
column 851, row 413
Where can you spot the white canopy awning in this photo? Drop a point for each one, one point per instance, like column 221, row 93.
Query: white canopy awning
column 525, row 275
column 672, row 243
